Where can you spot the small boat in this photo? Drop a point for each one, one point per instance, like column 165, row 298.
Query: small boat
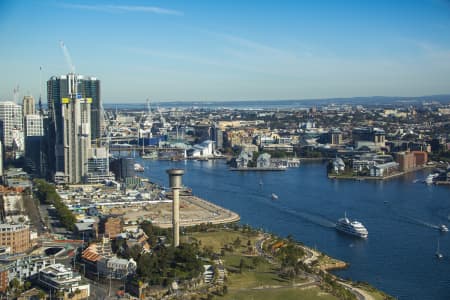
column 443, row 228
column 438, row 252
column 430, row 178
column 138, row 168
column 274, row 196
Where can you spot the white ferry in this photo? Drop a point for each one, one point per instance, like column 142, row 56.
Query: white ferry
column 352, row 227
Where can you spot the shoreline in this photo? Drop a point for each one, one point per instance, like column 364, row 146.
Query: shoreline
column 362, row 178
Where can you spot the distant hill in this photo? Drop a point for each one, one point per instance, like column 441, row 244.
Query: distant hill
column 255, row 104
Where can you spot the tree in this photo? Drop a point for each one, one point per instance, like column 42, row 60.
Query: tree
column 241, row 265
column 42, row 295
column 237, row 242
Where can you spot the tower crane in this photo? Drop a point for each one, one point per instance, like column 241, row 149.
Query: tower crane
column 67, row 57
column 41, row 112
column 16, row 93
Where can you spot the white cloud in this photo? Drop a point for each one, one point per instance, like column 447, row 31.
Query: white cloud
column 125, row 8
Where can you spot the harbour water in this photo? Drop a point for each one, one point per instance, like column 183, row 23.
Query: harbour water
column 401, row 216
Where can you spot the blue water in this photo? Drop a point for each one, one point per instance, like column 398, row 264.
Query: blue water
column 401, row 217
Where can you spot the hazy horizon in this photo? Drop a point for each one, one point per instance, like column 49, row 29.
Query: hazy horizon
column 221, row 51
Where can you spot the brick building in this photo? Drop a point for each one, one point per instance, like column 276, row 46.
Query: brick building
column 15, row 236
column 406, row 160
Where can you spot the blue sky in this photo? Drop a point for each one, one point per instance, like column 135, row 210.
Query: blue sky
column 230, row 50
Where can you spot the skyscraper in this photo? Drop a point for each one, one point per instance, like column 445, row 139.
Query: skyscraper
column 87, row 87
column 70, row 127
column 28, row 107
column 34, row 140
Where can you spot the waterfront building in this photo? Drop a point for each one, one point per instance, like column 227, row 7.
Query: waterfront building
column 10, row 123
column 338, row 165
column 16, row 236
column 202, row 150
column 380, row 170
column 243, row 159
column 28, row 106
column 421, row 157
column 63, row 282
column 406, row 160
column 263, row 161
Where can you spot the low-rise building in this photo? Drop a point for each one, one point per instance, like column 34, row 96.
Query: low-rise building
column 385, row 169
column 279, row 147
column 63, row 282
column 24, row 267
column 116, row 268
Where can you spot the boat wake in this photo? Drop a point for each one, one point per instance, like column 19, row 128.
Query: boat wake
column 313, row 218
column 419, row 222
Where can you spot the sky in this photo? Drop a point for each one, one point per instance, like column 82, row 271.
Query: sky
column 229, row 50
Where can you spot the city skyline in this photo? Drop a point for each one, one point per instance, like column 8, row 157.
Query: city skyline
column 198, row 51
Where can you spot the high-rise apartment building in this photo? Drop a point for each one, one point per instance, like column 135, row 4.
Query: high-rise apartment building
column 87, row 87
column 33, row 125
column 34, row 142
column 28, row 106
column 70, row 126
column 10, row 123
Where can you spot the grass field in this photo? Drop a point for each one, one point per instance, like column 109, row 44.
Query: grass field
column 282, row 293
column 218, row 239
column 252, row 276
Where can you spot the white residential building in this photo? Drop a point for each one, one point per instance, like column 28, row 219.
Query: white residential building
column 11, row 120
column 34, row 125
column 59, row 279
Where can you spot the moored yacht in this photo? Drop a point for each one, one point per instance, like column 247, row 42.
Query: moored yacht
column 352, row 227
